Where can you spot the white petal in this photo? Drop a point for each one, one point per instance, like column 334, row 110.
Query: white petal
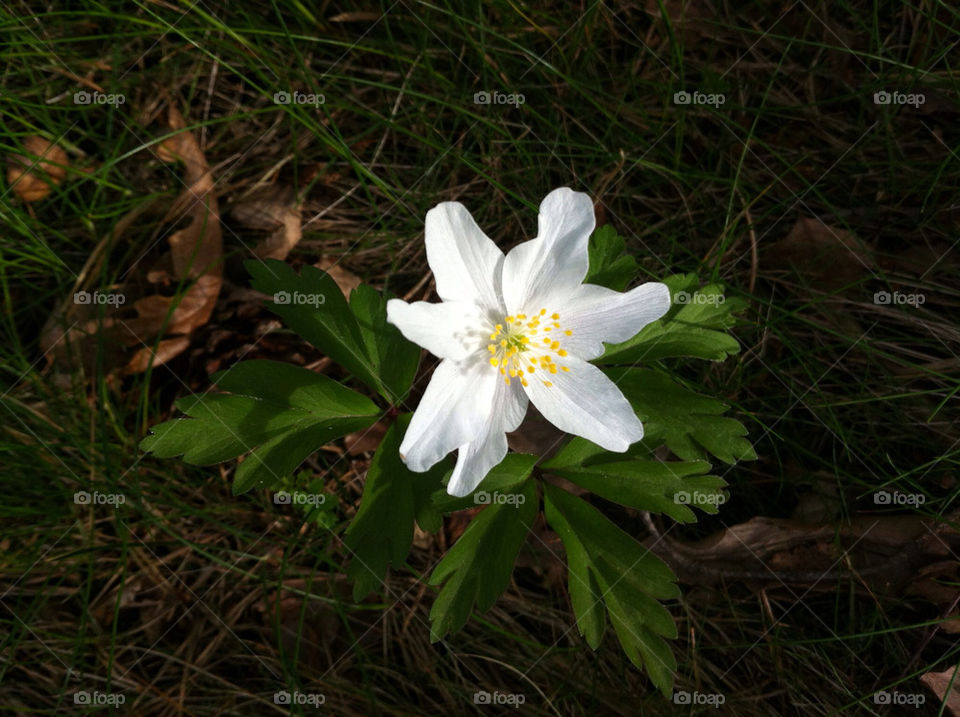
column 476, row 458
column 595, row 314
column 548, row 269
column 466, row 264
column 450, row 330
column 453, row 411
column 586, row 403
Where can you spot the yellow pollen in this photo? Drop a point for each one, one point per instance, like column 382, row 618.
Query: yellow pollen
column 494, row 362
column 555, row 316
column 547, row 384
column 553, row 368
column 503, row 372
column 503, row 342
column 542, row 312
column 568, row 332
column 524, row 382
column 555, row 345
column 509, row 319
column 506, row 381
column 562, row 352
column 493, row 337
column 492, row 349
column 564, row 368
column 513, row 373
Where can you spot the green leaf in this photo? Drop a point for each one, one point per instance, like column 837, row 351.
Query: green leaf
column 382, row 530
column 659, row 486
column 478, row 567
column 610, row 265
column 395, row 359
column 696, row 326
column 505, row 478
column 609, row 567
column 690, row 424
column 354, row 335
column 277, row 412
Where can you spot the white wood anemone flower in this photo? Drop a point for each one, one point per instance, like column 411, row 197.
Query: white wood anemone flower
column 514, row 329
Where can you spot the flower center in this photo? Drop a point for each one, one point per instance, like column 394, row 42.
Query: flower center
column 521, row 345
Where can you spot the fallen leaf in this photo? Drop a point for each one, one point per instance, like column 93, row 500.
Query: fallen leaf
column 888, row 552
column 826, row 258
column 346, row 280
column 196, row 252
column 31, row 174
column 945, row 684
column 274, row 209
column 194, row 259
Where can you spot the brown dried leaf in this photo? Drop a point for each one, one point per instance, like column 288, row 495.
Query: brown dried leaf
column 940, row 683
column 888, row 552
column 166, row 350
column 826, row 258
column 32, row 173
column 196, row 252
column 346, row 280
column 286, row 236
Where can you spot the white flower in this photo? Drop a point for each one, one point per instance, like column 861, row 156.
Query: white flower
column 516, row 328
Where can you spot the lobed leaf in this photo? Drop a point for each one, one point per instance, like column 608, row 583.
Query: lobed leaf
column 277, row 412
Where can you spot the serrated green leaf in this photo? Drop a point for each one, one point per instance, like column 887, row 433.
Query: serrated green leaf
column 280, row 455
column 506, row 477
column 281, row 413
column 298, row 387
column 610, row 265
column 330, row 326
column 478, row 566
column 585, row 594
column 382, row 530
column 626, row 577
column 659, row 486
column 395, row 358
column 690, row 424
column 690, row 328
